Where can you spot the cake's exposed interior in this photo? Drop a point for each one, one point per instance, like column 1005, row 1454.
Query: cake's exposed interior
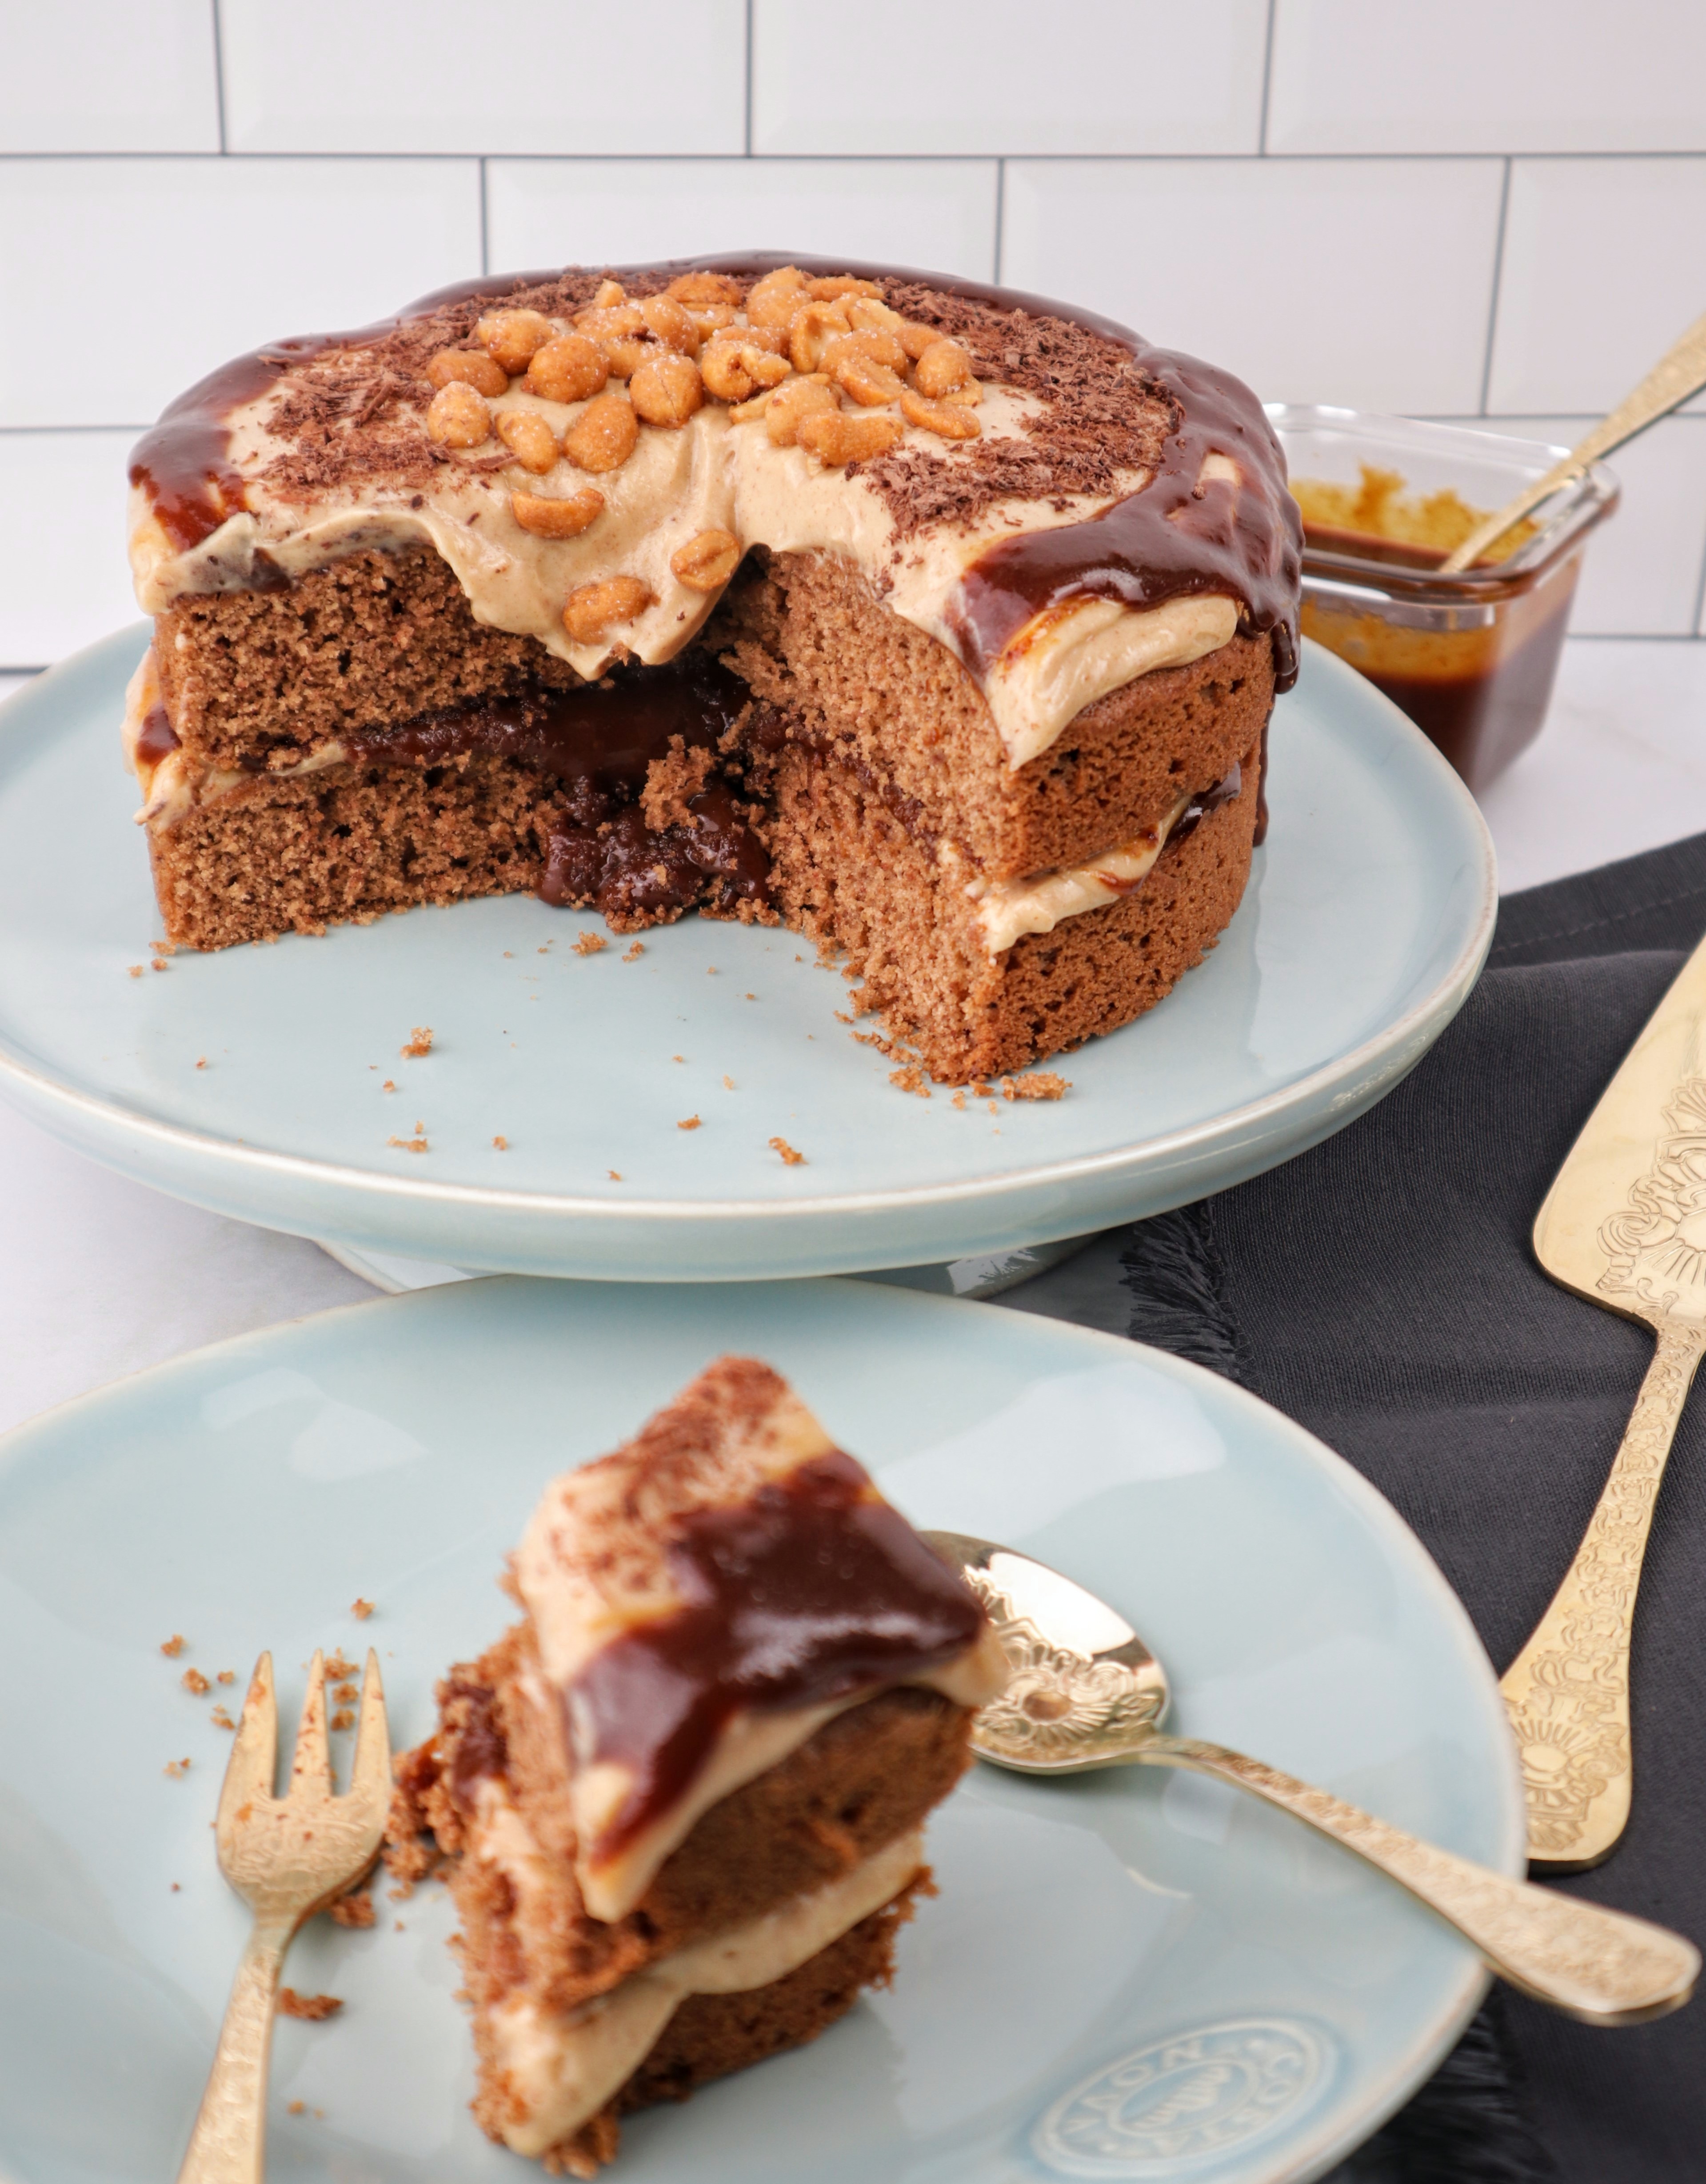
column 940, row 625
column 681, row 1801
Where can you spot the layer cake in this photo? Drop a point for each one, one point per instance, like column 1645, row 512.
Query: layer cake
column 939, row 622
column 683, row 1800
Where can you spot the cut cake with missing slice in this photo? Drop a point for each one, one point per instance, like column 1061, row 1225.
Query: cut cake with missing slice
column 683, row 1800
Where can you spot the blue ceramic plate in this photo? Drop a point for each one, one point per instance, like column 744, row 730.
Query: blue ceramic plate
column 1132, row 1975
column 1362, row 931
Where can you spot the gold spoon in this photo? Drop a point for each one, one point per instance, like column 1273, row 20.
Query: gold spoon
column 1087, row 1692
column 1679, row 373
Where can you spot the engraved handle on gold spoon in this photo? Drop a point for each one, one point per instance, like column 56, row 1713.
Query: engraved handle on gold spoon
column 1679, row 373
column 1600, row 1965
column 228, row 2144
column 1567, row 1692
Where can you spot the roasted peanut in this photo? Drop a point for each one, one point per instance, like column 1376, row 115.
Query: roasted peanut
column 868, row 382
column 800, row 398
column 697, row 291
column 602, row 437
column 943, row 366
column 735, row 370
column 512, row 337
column 529, row 439
column 666, row 389
column 952, row 420
column 706, row 563
column 547, row 516
column 611, row 294
column 915, row 339
column 711, row 318
column 567, row 370
column 592, row 610
column 835, row 438
column 775, row 298
column 619, row 333
column 774, row 338
column 472, row 367
column 830, row 287
column 866, row 314
column 457, row 417
column 871, row 341
column 811, row 331
column 668, row 322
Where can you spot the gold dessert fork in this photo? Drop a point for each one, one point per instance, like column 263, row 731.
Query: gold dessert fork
column 287, row 1857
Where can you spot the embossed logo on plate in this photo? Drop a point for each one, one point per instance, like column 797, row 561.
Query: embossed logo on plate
column 1179, row 2102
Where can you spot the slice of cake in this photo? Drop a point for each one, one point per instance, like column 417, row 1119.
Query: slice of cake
column 941, row 623
column 683, row 1800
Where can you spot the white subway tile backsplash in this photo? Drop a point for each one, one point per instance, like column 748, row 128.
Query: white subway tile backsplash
column 939, row 214
column 1642, row 570
column 1604, row 266
column 65, row 579
column 509, row 76
column 1117, row 75
column 1488, row 75
column 108, row 76
column 1364, row 282
column 195, row 261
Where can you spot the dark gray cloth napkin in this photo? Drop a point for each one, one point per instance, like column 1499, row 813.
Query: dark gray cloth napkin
column 1381, row 1291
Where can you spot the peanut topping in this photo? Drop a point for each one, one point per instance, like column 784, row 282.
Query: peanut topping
column 874, row 341
column 865, row 313
column 866, row 365
column 811, row 332
column 603, row 437
column 711, row 318
column 457, row 417
column 775, row 298
column 799, row 399
column 830, row 287
column 512, row 337
column 549, row 517
column 529, row 438
column 952, row 420
column 620, row 332
column 735, row 370
column 669, row 323
column 700, row 291
column 915, row 339
column 592, row 610
column 472, row 367
column 666, row 389
column 706, row 563
column 836, row 438
column 943, row 366
column 567, row 370
column 611, row 294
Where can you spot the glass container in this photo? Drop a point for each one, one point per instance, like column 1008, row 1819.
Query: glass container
column 1470, row 658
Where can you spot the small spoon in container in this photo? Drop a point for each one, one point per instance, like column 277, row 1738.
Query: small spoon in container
column 1086, row 1692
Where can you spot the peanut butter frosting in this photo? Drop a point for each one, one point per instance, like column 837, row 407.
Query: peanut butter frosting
column 1062, row 506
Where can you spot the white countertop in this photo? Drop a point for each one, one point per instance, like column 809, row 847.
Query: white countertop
column 100, row 1277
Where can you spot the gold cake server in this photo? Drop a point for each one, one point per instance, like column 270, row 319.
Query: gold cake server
column 1624, row 1225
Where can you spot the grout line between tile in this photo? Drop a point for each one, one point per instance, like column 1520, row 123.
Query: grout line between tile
column 1000, row 216
column 746, row 131
column 219, row 71
column 1267, row 81
column 876, row 159
column 1700, row 601
column 1497, row 280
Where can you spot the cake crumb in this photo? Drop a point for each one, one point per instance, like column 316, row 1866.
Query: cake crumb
column 163, row 948
column 338, row 1669
column 509, row 954
column 792, row 1158
column 201, row 1062
column 688, row 1123
column 221, row 1719
column 500, row 1145
column 345, row 1695
column 420, row 1043
column 959, row 1100
column 634, row 954
column 343, row 1718
column 360, row 1609
column 225, row 1676
column 312, row 2007
column 729, row 1085
column 177, row 1888
column 194, row 1680
column 157, row 964
column 751, row 997
column 1044, row 1085
column 136, row 970
column 355, row 1909
column 677, row 1058
column 711, row 970
column 389, row 1085
column 295, row 2107
column 408, row 1144
column 910, row 1080
column 591, row 944
column 172, row 1647
column 613, row 1174
column 176, row 1767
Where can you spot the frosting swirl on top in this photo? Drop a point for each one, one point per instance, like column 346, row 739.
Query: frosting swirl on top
column 1061, row 506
